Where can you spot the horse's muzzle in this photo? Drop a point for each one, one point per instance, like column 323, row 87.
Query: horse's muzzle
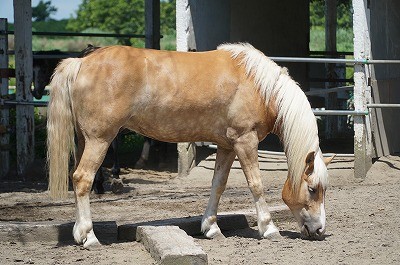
column 312, row 234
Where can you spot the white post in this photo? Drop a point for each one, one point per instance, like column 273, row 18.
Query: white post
column 185, row 41
column 362, row 93
column 4, row 112
column 23, row 72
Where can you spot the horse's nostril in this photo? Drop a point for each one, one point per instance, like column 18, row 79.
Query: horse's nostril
column 320, row 231
column 306, row 230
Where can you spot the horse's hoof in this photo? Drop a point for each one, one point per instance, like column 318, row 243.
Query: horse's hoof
column 92, row 243
column 276, row 236
column 218, row 236
column 214, row 232
column 272, row 233
column 117, row 186
column 140, row 164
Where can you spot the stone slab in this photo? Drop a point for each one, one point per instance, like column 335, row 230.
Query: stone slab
column 191, row 225
column 51, row 231
column 170, row 245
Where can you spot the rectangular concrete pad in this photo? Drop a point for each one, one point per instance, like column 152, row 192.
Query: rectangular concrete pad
column 170, row 245
column 50, row 231
column 191, row 225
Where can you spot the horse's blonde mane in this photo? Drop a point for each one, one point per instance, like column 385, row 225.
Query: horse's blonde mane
column 297, row 124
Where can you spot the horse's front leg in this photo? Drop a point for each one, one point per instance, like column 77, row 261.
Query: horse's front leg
column 246, row 149
column 223, row 164
column 82, row 179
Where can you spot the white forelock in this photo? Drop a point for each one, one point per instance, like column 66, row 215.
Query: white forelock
column 297, row 124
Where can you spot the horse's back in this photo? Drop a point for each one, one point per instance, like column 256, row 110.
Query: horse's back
column 160, row 93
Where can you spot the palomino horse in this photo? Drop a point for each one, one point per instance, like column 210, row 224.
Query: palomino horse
column 233, row 96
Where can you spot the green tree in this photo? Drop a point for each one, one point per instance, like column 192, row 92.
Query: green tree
column 344, row 16
column 120, row 16
column 43, row 10
column 168, row 17
column 117, row 16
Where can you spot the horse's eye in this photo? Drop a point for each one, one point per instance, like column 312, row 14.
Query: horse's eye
column 312, row 190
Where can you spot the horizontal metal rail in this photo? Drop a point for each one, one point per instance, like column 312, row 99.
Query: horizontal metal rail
column 381, row 105
column 79, row 34
column 339, row 112
column 331, row 53
column 330, row 80
column 332, row 60
column 316, row 112
column 25, row 103
column 266, row 152
column 319, row 91
column 56, row 56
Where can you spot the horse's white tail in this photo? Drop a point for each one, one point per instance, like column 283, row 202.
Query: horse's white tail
column 60, row 126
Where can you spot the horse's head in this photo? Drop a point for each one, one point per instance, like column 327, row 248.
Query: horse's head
column 307, row 202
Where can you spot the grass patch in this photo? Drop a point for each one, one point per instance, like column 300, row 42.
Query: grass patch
column 344, row 39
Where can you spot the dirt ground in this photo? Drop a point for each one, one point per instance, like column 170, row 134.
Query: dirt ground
column 363, row 218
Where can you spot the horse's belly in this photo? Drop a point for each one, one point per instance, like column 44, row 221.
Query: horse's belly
column 179, row 125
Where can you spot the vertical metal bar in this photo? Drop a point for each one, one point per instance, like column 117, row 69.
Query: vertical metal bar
column 23, row 72
column 331, row 125
column 4, row 112
column 152, row 24
column 362, row 47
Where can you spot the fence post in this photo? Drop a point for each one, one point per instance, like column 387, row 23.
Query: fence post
column 331, row 126
column 4, row 112
column 185, row 41
column 152, row 24
column 362, row 130
column 23, row 72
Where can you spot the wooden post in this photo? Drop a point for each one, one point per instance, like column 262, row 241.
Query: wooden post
column 362, row 94
column 4, row 112
column 152, row 24
column 185, row 41
column 23, row 72
column 331, row 126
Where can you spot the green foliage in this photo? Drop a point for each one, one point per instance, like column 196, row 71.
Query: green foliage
column 131, row 142
column 117, row 16
column 121, row 17
column 40, row 133
column 75, row 44
column 344, row 15
column 50, row 25
column 43, row 10
column 344, row 39
column 344, row 34
column 317, row 15
column 168, row 17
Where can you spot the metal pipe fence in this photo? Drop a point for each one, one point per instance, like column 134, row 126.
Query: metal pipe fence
column 266, row 152
column 332, row 60
column 382, row 105
column 78, row 34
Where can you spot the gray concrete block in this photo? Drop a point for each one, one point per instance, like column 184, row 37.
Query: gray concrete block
column 171, row 245
column 191, row 225
column 51, row 231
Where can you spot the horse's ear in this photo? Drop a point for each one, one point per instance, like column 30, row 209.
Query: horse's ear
column 328, row 160
column 309, row 163
column 310, row 159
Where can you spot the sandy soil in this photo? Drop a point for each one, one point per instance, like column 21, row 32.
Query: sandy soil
column 362, row 217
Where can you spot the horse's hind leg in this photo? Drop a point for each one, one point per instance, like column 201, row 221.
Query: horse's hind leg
column 223, row 164
column 246, row 149
column 116, row 183
column 92, row 157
